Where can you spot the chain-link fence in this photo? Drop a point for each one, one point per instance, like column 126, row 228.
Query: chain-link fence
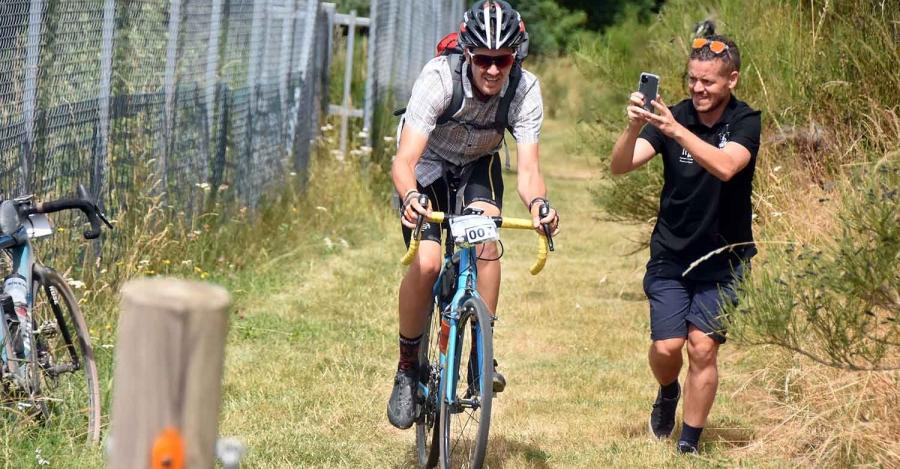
column 404, row 35
column 202, row 94
column 194, row 95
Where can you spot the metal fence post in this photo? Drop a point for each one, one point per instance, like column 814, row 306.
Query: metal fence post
column 212, row 65
column 348, row 79
column 32, row 58
column 405, row 50
column 371, row 44
column 102, row 146
column 254, row 65
column 284, row 65
column 169, row 84
column 306, row 78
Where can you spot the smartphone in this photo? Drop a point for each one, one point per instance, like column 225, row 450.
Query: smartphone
column 648, row 85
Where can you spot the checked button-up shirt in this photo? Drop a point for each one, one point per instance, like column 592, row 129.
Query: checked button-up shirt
column 456, row 142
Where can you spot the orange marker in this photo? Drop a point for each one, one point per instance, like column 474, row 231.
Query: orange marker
column 168, row 450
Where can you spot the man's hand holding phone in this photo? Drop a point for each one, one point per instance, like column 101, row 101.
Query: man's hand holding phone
column 637, row 115
column 640, row 104
column 662, row 119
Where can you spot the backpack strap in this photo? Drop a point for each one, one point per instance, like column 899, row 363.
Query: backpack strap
column 501, row 121
column 455, row 62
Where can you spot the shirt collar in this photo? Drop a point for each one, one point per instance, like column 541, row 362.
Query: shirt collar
column 467, row 84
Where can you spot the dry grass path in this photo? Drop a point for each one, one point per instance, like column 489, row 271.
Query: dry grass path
column 312, row 353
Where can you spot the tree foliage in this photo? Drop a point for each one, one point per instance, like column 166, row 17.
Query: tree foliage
column 601, row 14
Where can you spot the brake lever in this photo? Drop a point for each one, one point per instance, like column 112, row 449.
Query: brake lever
column 83, row 194
column 102, row 217
column 423, row 201
column 543, row 212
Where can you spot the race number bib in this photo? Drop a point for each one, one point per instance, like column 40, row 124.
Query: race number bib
column 473, row 229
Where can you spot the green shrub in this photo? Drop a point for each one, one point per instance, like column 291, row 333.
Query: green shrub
column 838, row 304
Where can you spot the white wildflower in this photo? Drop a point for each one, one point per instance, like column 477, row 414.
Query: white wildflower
column 39, row 458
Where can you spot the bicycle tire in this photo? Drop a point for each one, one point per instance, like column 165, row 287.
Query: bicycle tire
column 427, row 427
column 68, row 381
column 458, row 447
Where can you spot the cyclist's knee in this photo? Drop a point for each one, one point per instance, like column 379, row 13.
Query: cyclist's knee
column 428, row 261
column 488, row 251
column 430, row 268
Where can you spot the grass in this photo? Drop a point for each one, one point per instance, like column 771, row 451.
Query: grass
column 312, row 344
column 312, row 351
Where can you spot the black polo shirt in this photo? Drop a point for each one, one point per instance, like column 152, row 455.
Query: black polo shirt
column 699, row 213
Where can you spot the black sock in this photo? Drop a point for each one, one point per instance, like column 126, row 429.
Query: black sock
column 409, row 353
column 670, row 391
column 690, row 434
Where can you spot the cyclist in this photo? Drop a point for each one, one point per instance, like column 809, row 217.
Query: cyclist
column 462, row 153
column 708, row 144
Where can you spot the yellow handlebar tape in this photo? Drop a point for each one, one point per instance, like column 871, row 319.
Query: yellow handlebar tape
column 541, row 257
column 515, row 223
column 411, row 252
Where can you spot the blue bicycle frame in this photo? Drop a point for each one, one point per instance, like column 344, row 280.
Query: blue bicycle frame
column 19, row 247
column 466, row 282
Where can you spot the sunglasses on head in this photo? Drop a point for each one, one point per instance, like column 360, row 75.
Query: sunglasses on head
column 716, row 47
column 485, row 61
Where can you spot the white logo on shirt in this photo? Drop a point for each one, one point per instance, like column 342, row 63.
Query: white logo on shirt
column 723, row 137
column 723, row 140
column 686, row 157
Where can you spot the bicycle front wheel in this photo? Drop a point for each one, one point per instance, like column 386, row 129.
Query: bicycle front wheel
column 466, row 415
column 67, row 381
column 427, row 436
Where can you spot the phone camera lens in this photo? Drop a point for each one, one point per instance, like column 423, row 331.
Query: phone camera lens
column 644, row 79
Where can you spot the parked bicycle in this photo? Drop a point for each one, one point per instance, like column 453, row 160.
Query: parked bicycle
column 456, row 357
column 48, row 367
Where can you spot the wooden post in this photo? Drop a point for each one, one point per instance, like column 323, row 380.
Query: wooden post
column 168, row 370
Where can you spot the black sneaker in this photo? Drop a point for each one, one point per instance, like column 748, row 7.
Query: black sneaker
column 685, row 447
column 401, row 408
column 662, row 418
column 499, row 381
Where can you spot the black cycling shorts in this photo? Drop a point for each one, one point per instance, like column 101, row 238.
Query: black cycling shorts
column 484, row 184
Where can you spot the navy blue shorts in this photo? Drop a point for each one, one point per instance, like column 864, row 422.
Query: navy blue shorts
column 677, row 302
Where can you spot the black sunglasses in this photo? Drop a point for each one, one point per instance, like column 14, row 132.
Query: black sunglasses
column 485, row 61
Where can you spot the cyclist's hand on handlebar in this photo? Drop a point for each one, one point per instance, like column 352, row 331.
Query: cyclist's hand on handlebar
column 551, row 219
column 412, row 209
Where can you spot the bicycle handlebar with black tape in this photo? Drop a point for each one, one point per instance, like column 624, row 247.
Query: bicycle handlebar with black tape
column 83, row 202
